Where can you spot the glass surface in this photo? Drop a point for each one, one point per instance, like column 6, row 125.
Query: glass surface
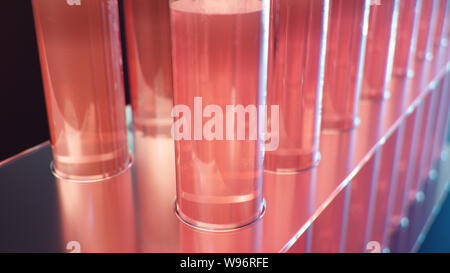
column 327, row 232
column 346, row 45
column 383, row 189
column 99, row 216
column 219, row 62
column 360, row 198
column 81, row 63
column 296, row 55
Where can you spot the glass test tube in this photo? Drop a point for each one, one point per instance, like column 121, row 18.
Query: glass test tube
column 150, row 68
column 81, row 63
column 446, row 30
column 426, row 28
column 296, row 54
column 219, row 50
column 380, row 49
column 408, row 18
column 99, row 216
column 346, row 45
column 442, row 23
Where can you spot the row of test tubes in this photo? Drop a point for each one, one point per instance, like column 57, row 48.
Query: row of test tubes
column 315, row 60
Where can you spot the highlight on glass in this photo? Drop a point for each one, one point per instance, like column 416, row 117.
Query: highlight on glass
column 81, row 61
column 344, row 63
column 147, row 26
column 295, row 81
column 219, row 56
column 380, row 49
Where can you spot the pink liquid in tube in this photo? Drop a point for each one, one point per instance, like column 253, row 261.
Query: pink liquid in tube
column 219, row 56
column 346, row 44
column 442, row 23
column 81, row 63
column 446, row 30
column 380, row 49
column 150, row 68
column 408, row 18
column 426, row 28
column 296, row 54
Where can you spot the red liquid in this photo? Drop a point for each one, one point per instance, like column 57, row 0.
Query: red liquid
column 295, row 55
column 441, row 24
column 379, row 50
column 425, row 27
column 344, row 63
column 446, row 31
column 408, row 17
column 150, row 68
column 82, row 72
column 216, row 56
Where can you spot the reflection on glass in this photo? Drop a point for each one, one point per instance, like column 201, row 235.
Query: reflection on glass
column 360, row 207
column 99, row 216
column 156, row 186
column 417, row 153
column 389, row 155
column 245, row 240
column 326, row 231
column 291, row 199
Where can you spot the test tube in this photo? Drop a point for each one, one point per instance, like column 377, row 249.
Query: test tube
column 296, row 56
column 426, row 29
column 380, row 49
column 442, row 23
column 81, row 63
column 219, row 56
column 150, row 69
column 446, row 31
column 408, row 18
column 346, row 45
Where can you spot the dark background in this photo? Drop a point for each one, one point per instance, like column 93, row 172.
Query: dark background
column 23, row 118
